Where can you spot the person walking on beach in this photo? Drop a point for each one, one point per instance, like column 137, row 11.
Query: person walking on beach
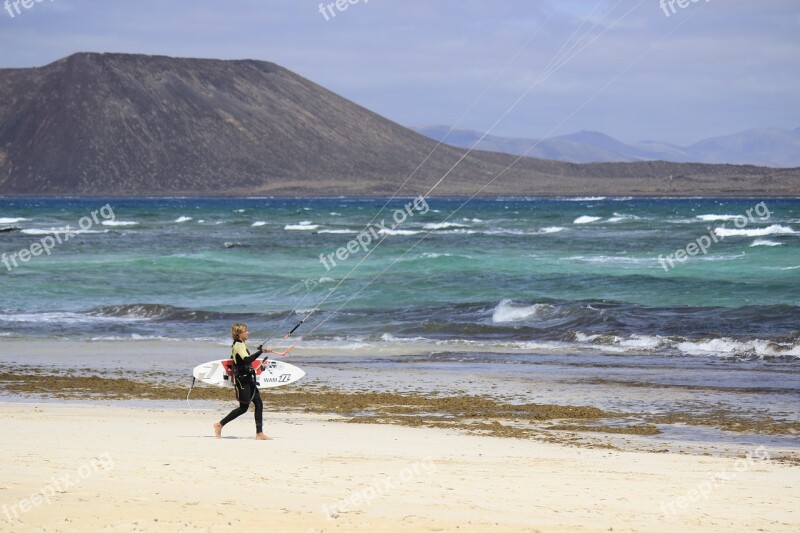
column 245, row 381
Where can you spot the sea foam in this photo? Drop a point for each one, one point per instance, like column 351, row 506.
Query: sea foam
column 775, row 229
column 507, row 311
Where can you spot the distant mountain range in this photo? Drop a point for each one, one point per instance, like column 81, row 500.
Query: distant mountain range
column 766, row 147
column 135, row 125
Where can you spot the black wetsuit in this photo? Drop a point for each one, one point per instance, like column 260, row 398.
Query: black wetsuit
column 246, row 389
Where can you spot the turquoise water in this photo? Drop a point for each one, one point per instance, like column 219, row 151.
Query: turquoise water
column 565, row 275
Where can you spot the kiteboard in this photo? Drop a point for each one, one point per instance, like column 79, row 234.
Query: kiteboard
column 270, row 374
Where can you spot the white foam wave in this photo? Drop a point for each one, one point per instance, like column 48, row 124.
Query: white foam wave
column 36, row 231
column 719, row 347
column 716, row 258
column 582, row 337
column 388, row 343
column 543, row 231
column 619, row 344
column 586, row 220
column 551, row 229
column 619, row 217
column 775, row 229
column 64, row 318
column 765, row 242
column 584, row 199
column 339, row 231
column 398, row 232
column 633, row 344
column 717, row 218
column 461, row 231
column 119, row 223
column 727, row 347
column 442, row 225
column 305, row 225
column 40, row 231
column 507, row 311
column 7, row 220
column 642, row 342
column 603, row 259
column 435, row 255
column 179, row 220
column 258, row 224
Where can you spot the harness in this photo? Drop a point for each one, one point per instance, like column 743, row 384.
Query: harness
column 243, row 374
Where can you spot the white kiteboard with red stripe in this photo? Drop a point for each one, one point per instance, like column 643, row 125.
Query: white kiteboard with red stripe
column 270, row 374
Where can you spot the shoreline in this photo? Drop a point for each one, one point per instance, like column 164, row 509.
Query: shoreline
column 161, row 470
column 561, row 404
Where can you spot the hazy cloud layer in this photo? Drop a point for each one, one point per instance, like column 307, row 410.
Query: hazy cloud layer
column 718, row 66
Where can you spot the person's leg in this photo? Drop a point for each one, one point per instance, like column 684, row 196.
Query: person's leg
column 243, row 393
column 259, row 412
column 259, row 417
column 236, row 413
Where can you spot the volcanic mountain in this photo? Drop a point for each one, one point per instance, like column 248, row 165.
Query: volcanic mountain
column 98, row 124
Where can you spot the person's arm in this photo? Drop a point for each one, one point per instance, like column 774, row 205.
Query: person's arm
column 250, row 358
column 240, row 351
column 283, row 353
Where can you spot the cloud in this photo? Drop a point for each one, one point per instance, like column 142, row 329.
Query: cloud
column 723, row 65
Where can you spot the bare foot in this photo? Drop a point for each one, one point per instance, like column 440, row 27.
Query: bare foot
column 218, row 430
column 261, row 436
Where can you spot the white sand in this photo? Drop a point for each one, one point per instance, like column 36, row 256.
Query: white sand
column 162, row 470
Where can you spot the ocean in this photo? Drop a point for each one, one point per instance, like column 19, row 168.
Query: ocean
column 608, row 299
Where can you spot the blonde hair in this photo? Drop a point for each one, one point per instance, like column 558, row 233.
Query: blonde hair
column 237, row 330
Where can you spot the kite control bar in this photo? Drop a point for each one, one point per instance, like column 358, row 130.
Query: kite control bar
column 294, row 329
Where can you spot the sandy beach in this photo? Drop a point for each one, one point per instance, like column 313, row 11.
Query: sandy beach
column 91, row 467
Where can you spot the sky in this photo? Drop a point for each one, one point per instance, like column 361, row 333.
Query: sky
column 633, row 69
